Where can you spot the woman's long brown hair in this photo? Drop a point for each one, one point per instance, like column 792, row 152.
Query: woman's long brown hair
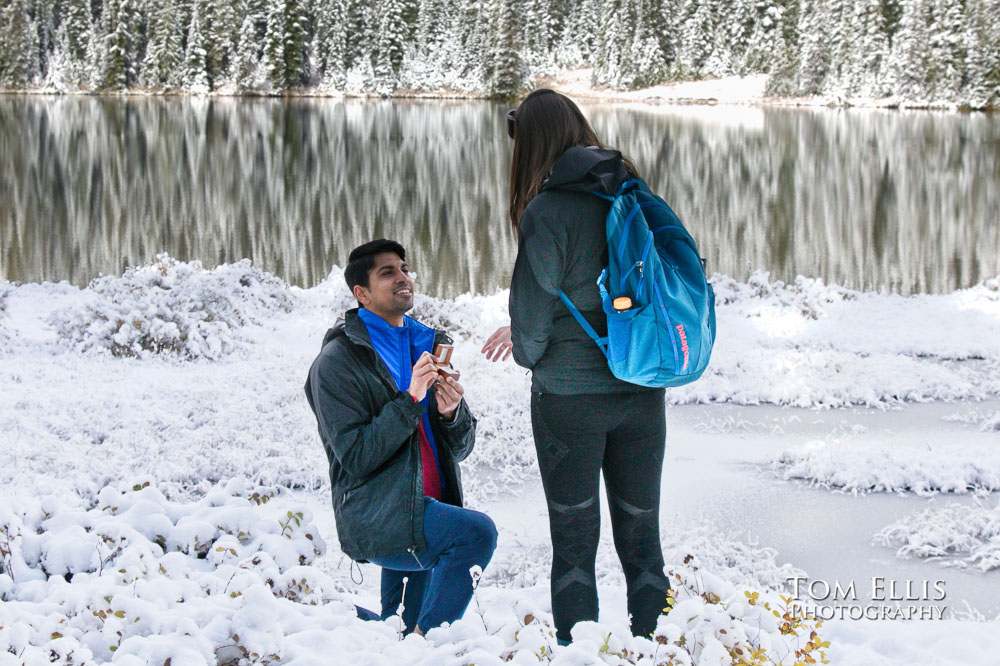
column 547, row 124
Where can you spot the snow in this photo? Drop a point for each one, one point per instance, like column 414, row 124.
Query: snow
column 576, row 83
column 965, row 536
column 188, row 491
column 862, row 465
column 186, row 599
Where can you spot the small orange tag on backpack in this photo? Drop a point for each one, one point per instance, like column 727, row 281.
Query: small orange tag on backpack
column 621, row 303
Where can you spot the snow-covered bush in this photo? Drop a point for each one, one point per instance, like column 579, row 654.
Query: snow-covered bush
column 711, row 622
column 992, row 422
column 986, row 421
column 5, row 289
column 807, row 295
column 172, row 307
column 871, row 467
column 965, row 536
column 132, row 577
column 139, row 575
column 731, row 560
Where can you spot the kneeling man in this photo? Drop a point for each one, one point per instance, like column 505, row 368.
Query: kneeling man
column 394, row 429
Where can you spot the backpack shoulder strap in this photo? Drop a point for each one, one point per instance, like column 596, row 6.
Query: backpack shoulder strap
column 601, row 342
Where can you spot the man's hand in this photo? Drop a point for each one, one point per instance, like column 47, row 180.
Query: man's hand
column 449, row 394
column 499, row 345
column 425, row 373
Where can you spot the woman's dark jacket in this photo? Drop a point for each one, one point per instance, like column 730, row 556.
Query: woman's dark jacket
column 562, row 245
column 369, row 432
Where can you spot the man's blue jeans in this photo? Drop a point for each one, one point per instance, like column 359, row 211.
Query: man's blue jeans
column 440, row 586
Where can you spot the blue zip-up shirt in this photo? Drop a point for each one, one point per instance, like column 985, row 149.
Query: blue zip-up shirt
column 399, row 347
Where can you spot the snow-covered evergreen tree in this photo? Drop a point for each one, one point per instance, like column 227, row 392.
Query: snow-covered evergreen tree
column 983, row 44
column 560, row 12
column 296, row 49
column 839, row 38
column 161, row 66
column 330, row 43
column 433, row 52
column 95, row 62
column 784, row 67
column 361, row 31
column 472, row 33
column 907, row 68
column 611, row 58
column 43, row 16
column 195, row 77
column 647, row 61
column 948, row 48
column 273, row 59
column 917, row 50
column 507, row 68
column 765, row 41
column 60, row 73
column 219, row 28
column 247, row 59
column 697, row 39
column 537, row 34
column 577, row 44
column 814, row 49
column 76, row 20
column 18, row 45
column 867, row 60
column 659, row 18
column 430, row 29
column 391, row 45
column 736, row 23
column 120, row 68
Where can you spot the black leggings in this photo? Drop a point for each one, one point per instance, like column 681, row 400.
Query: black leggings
column 576, row 437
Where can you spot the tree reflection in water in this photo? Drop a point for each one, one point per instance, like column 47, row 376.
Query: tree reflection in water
column 906, row 201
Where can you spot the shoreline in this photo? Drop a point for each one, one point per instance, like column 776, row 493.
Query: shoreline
column 745, row 91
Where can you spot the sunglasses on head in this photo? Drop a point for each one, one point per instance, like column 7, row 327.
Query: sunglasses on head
column 511, row 122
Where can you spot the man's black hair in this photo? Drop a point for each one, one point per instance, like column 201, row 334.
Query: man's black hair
column 362, row 260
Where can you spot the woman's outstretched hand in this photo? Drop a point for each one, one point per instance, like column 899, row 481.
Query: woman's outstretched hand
column 499, row 347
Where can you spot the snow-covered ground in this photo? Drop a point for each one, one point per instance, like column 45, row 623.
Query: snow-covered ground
column 576, row 83
column 179, row 498
column 728, row 90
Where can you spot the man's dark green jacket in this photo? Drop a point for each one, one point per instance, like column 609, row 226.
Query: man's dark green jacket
column 369, row 431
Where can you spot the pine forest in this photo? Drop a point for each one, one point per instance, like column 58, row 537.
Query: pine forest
column 910, row 52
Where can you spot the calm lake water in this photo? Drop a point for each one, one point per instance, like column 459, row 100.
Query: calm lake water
column 907, row 202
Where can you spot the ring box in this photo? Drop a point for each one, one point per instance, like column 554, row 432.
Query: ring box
column 443, row 354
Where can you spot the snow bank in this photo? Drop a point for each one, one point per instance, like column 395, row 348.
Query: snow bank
column 577, row 83
column 5, row 289
column 515, row 565
column 964, row 536
column 985, row 420
column 804, row 344
column 129, row 573
column 866, row 466
column 197, row 415
column 130, row 576
column 172, row 307
column 808, row 344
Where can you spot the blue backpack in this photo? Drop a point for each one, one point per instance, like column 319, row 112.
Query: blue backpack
column 663, row 330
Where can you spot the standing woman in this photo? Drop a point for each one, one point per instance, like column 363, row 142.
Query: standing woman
column 585, row 421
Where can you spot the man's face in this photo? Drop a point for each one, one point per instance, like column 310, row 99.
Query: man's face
column 390, row 289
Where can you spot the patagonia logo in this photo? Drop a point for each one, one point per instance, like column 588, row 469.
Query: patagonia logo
column 684, row 346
